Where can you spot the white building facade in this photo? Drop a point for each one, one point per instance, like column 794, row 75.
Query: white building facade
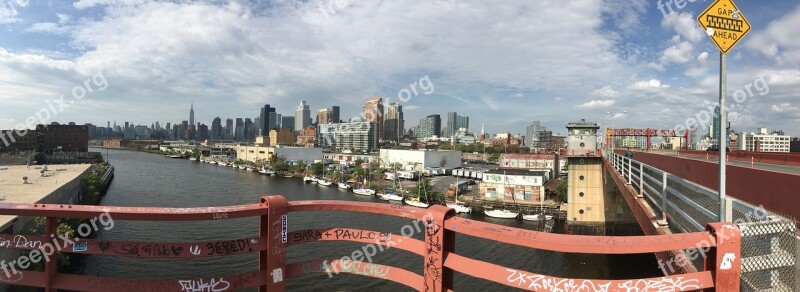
column 764, row 142
column 420, row 159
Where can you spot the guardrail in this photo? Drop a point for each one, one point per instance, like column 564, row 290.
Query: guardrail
column 440, row 226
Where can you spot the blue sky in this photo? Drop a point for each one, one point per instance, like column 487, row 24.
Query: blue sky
column 503, row 63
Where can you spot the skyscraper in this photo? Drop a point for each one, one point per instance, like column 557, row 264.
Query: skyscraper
column 288, row 122
column 393, row 122
column 191, row 115
column 249, row 130
column 450, row 127
column 373, row 112
column 429, row 126
column 323, row 116
column 229, row 130
column 216, row 129
column 335, row 118
column 302, row 116
column 238, row 132
column 266, row 120
column 462, row 122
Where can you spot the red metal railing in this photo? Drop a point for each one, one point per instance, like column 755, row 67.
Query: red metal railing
column 438, row 249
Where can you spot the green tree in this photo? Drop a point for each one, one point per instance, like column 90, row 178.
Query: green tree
column 196, row 152
column 316, row 168
column 424, row 188
column 562, row 191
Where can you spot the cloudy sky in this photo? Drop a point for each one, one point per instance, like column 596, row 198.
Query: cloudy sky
column 503, row 63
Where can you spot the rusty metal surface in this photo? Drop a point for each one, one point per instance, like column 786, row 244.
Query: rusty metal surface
column 139, row 249
column 133, row 213
column 333, row 267
column 92, row 283
column 374, row 208
column 356, row 235
column 579, row 243
column 535, row 282
column 726, row 258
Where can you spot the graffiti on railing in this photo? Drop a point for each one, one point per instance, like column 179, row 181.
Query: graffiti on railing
column 540, row 282
column 201, row 285
column 18, row 242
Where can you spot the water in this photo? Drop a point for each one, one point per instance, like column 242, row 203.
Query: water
column 144, row 179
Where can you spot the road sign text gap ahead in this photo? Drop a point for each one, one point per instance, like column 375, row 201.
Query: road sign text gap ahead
column 724, row 23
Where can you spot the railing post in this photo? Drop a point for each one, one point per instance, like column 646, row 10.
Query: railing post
column 641, row 180
column 630, row 162
column 273, row 226
column 438, row 242
column 51, row 265
column 664, row 198
column 724, row 260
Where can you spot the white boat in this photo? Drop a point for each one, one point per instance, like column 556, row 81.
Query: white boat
column 459, row 208
column 222, row 163
column 343, row 185
column 416, row 203
column 325, row 182
column 232, row 165
column 192, row 158
column 391, row 197
column 212, row 162
column 362, row 191
column 308, row 179
column 242, row 167
column 537, row 217
column 265, row 171
column 501, row 213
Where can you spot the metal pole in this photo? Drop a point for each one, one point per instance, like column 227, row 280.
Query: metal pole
column 723, row 80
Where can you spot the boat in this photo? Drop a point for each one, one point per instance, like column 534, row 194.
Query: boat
column 175, row 156
column 242, row 167
column 266, row 171
column 193, row 158
column 343, row 185
column 308, row 179
column 391, row 197
column 362, row 191
column 324, row 182
column 288, row 175
column 222, row 163
column 416, row 203
column 459, row 208
column 212, row 162
column 501, row 213
column 537, row 217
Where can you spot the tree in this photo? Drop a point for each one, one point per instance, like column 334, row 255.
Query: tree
column 562, row 191
column 316, row 168
column 424, row 188
column 196, row 152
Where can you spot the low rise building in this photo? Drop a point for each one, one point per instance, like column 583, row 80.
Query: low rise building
column 348, row 158
column 262, row 154
column 762, row 141
column 514, row 185
column 420, row 159
column 547, row 163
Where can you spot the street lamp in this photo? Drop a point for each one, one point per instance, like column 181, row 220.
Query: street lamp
column 613, row 128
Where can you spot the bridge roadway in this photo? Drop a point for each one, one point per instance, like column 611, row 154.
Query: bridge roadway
column 712, row 158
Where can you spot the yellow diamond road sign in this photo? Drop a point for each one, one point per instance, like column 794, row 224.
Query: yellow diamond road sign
column 724, row 23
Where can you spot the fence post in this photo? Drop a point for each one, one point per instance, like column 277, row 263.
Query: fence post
column 641, row 180
column 273, row 227
column 724, row 260
column 51, row 266
column 438, row 242
column 664, row 197
column 630, row 162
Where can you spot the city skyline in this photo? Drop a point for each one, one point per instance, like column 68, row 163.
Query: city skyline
column 661, row 77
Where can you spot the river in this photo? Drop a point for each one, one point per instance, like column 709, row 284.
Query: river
column 144, row 179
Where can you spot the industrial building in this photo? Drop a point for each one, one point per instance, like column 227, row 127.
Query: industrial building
column 420, row 159
column 514, row 185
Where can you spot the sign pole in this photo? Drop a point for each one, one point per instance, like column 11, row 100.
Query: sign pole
column 723, row 80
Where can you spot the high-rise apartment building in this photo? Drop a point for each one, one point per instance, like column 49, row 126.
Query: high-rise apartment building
column 302, row 116
column 373, row 112
column 323, row 116
column 429, row 126
column 393, row 122
column 354, row 136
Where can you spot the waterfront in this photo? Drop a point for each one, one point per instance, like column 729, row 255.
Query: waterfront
column 144, row 179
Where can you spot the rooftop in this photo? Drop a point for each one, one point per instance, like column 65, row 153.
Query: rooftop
column 12, row 190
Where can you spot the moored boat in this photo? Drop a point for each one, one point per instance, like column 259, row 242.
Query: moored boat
column 501, row 213
column 415, row 202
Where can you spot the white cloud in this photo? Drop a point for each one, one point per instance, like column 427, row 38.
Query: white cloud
column 680, row 52
column 655, row 66
column 779, row 40
column 703, row 57
column 558, row 98
column 649, row 84
column 596, row 104
column 684, row 24
column 606, row 91
column 62, row 18
column 784, row 107
column 517, row 95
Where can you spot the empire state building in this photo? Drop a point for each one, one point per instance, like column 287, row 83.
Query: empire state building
column 191, row 116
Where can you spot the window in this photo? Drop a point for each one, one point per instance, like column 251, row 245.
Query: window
column 580, row 211
column 581, row 177
column 581, row 194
